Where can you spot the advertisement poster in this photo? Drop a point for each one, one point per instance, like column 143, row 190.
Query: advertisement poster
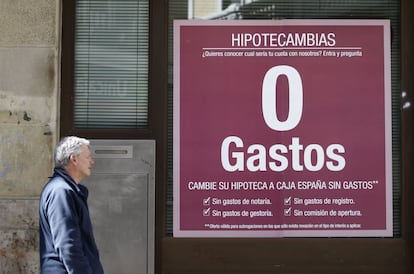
column 282, row 128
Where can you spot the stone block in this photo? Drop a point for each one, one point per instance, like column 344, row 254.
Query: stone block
column 19, row 251
column 19, row 236
column 28, row 22
column 19, row 214
column 28, row 71
column 26, row 157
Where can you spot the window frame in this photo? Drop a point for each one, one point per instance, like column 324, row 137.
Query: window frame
column 156, row 88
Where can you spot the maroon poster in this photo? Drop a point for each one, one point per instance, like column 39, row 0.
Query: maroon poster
column 282, row 128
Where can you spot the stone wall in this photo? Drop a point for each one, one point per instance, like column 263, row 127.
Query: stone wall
column 29, row 77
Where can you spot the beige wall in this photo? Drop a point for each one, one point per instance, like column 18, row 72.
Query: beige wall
column 29, row 76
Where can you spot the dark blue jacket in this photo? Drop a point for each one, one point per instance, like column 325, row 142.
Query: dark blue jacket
column 67, row 244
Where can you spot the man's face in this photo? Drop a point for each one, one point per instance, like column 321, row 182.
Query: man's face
column 85, row 162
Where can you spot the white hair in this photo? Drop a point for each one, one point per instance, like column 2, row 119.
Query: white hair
column 68, row 146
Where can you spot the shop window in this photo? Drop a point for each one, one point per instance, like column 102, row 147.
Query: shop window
column 111, row 64
column 302, row 9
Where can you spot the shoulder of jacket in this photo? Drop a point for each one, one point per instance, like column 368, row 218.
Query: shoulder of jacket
column 57, row 184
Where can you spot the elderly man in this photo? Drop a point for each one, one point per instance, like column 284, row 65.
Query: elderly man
column 67, row 244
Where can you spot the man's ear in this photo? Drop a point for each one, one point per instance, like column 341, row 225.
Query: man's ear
column 73, row 158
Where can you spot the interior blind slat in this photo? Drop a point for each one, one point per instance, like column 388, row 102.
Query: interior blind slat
column 111, row 64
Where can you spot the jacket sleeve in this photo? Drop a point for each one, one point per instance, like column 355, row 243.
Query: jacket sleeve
column 65, row 228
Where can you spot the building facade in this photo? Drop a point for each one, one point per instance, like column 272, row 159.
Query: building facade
column 40, row 80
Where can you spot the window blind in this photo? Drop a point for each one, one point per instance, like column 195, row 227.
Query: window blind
column 111, row 64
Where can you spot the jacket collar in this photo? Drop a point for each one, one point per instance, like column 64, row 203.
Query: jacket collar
column 81, row 189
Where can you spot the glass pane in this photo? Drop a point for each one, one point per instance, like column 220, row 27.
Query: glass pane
column 111, row 64
column 299, row 9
